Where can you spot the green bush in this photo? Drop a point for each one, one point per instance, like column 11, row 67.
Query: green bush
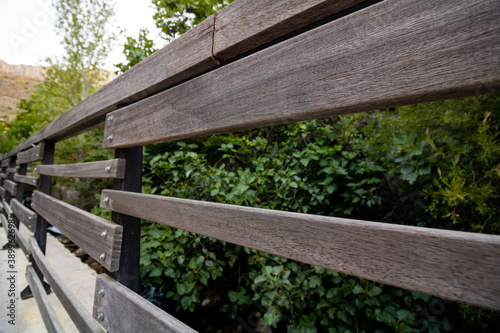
column 435, row 165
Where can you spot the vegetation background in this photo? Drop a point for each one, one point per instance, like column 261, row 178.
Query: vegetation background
column 433, row 165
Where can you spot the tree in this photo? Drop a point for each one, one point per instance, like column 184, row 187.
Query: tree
column 85, row 28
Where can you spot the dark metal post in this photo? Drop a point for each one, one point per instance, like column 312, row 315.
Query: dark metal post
column 41, row 223
column 128, row 274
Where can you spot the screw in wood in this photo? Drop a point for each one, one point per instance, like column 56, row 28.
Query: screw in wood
column 101, row 292
column 108, row 169
column 100, row 316
column 110, row 119
column 106, row 199
column 110, row 138
column 102, row 256
column 104, row 233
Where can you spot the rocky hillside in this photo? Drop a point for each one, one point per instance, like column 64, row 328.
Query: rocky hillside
column 16, row 82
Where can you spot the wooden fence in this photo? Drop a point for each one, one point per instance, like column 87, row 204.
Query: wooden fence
column 255, row 64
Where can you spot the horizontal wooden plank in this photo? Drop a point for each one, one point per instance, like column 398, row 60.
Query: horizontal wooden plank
column 5, row 162
column 6, row 207
column 3, row 175
column 449, row 264
column 371, row 59
column 5, row 223
column 76, row 310
column 22, row 243
column 122, row 310
column 24, row 214
column 29, row 180
column 49, row 317
column 31, row 155
column 113, row 169
column 10, row 186
column 100, row 238
column 247, row 24
column 12, row 170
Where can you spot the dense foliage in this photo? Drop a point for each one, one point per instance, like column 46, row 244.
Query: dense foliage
column 434, row 165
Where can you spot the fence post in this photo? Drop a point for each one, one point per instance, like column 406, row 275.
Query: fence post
column 128, row 273
column 41, row 223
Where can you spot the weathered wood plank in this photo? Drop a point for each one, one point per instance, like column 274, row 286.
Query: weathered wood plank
column 371, row 59
column 6, row 207
column 31, row 155
column 3, row 175
column 22, row 243
column 24, row 214
column 122, row 310
column 48, row 314
column 454, row 265
column 76, row 310
column 29, row 180
column 111, row 169
column 10, row 186
column 248, row 24
column 5, row 162
column 11, row 170
column 100, row 238
column 5, row 223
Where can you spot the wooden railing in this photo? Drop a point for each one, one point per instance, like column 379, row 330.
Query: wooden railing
column 257, row 64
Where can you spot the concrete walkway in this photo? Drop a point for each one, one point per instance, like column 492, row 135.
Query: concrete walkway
column 79, row 277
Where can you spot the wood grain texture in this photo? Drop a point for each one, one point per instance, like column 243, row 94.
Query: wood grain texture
column 5, row 223
column 453, row 265
column 11, row 170
column 5, row 162
column 10, row 186
column 393, row 53
column 24, row 214
column 76, row 310
column 22, row 243
column 49, row 317
column 125, row 311
column 83, row 228
column 6, row 207
column 31, row 155
column 248, row 24
column 86, row 170
column 29, row 180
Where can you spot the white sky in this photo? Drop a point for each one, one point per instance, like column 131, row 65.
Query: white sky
column 27, row 30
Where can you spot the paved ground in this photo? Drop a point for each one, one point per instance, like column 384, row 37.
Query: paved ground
column 78, row 276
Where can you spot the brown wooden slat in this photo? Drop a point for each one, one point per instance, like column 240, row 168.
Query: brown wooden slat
column 22, row 243
column 31, row 155
column 49, row 317
column 6, row 207
column 5, row 162
column 125, row 311
column 113, row 169
column 83, row 228
column 247, row 24
column 10, row 186
column 29, row 180
column 12, row 170
column 24, row 214
column 371, row 59
column 76, row 310
column 189, row 55
column 5, row 223
column 454, row 265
